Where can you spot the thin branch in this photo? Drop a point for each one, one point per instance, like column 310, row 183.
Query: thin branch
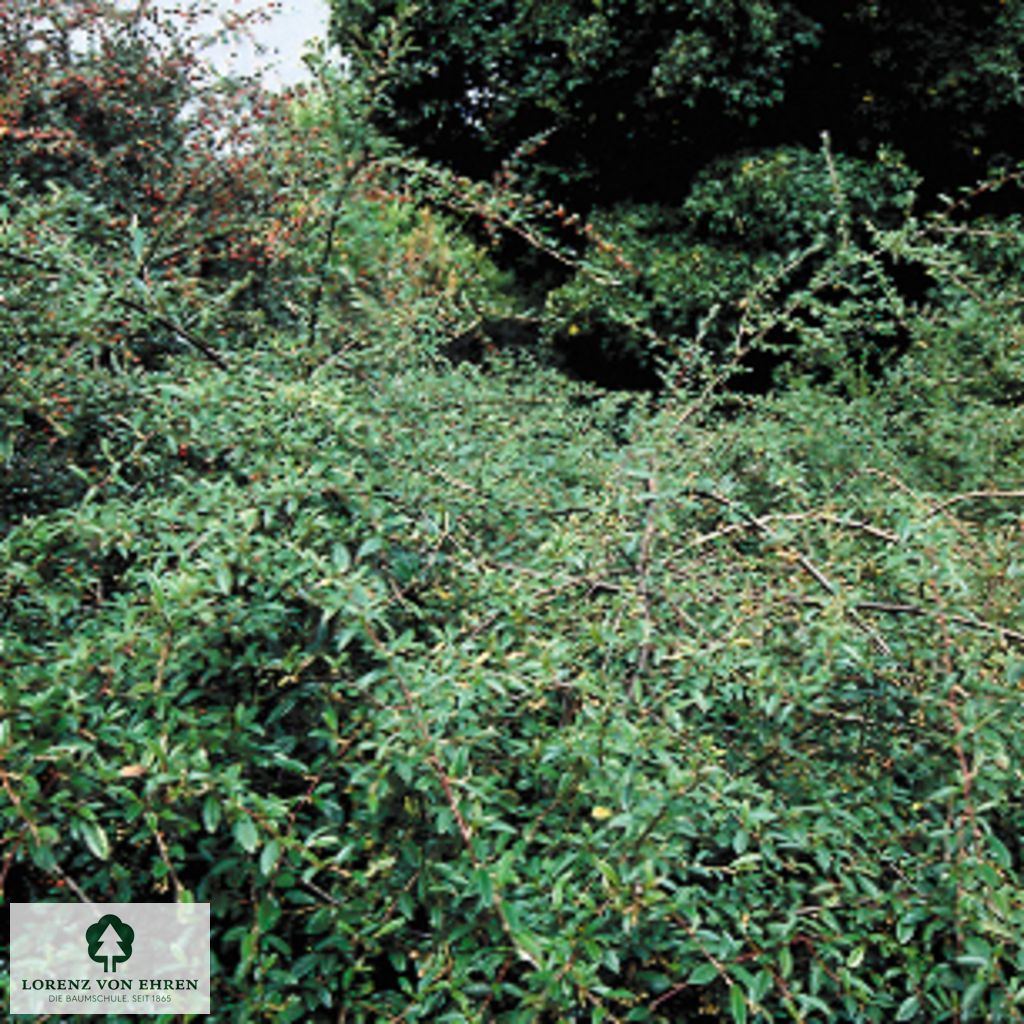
column 185, row 335
column 643, row 568
column 318, row 289
column 72, row 884
column 797, row 517
column 837, row 190
column 893, row 608
column 972, row 496
column 322, row 893
column 161, row 844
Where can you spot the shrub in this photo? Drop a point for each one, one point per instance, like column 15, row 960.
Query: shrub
column 749, row 222
column 118, row 104
column 465, row 716
column 475, row 694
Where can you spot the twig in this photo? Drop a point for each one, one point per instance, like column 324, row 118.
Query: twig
column 796, row 517
column 161, row 844
column 837, row 190
column 643, row 574
column 71, row 884
column 318, row 289
column 460, row 203
column 187, row 336
column 892, row 608
column 322, row 893
column 746, row 336
column 971, row 496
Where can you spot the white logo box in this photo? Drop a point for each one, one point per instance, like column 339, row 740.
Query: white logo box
column 123, row 958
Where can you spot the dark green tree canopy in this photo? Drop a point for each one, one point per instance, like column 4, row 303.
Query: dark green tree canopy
column 638, row 94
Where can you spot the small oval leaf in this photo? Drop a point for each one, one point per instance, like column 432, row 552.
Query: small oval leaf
column 268, row 858
column 96, row 839
column 211, row 813
column 246, row 834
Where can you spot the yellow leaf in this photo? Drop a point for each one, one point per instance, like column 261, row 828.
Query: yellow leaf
column 600, row 813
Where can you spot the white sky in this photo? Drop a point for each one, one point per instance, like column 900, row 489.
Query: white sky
column 284, row 38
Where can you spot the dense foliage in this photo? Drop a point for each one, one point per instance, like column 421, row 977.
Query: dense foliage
column 465, row 689
column 636, row 95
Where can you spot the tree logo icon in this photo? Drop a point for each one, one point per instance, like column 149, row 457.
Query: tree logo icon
column 110, row 941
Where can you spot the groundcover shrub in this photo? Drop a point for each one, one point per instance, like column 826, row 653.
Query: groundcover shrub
column 469, row 693
column 451, row 724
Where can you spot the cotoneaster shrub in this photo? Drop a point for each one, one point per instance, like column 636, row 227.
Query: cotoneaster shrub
column 465, row 717
column 471, row 694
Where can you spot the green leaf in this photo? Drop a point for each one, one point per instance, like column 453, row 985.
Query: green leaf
column 268, row 858
column 908, row 1009
column 785, row 962
column 224, row 578
column 1000, row 853
column 95, row 838
column 738, row 1004
column 369, row 547
column 905, row 930
column 702, row 974
column 483, row 885
column 341, row 558
column 761, row 985
column 211, row 813
column 974, row 993
column 43, row 858
column 246, row 835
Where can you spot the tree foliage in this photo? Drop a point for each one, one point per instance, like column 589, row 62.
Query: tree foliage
column 637, row 95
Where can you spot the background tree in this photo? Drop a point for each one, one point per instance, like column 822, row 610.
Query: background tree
column 639, row 94
column 694, row 129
